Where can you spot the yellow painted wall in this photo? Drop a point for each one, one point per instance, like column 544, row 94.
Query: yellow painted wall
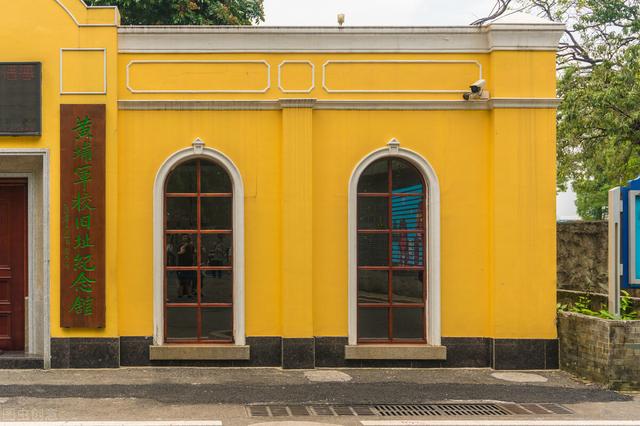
column 496, row 170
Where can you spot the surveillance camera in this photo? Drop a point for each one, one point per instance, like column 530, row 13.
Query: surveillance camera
column 478, row 86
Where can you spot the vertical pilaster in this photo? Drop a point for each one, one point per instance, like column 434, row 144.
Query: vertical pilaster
column 523, row 224
column 297, row 221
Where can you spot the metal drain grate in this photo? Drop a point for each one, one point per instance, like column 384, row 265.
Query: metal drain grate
column 441, row 410
column 406, row 410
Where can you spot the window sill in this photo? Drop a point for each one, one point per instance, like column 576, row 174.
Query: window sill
column 198, row 352
column 396, row 352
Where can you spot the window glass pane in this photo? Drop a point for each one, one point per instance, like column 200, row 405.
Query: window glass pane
column 216, row 249
column 180, row 249
column 375, row 178
column 373, row 323
column 183, row 178
column 182, row 323
column 181, row 286
column 213, row 178
column 408, row 286
column 407, row 249
column 217, row 323
column 405, row 177
column 373, row 249
column 373, row 286
column 408, row 323
column 373, row 213
column 216, row 213
column 407, row 212
column 182, row 213
column 217, row 287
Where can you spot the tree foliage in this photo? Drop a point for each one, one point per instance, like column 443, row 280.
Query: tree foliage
column 599, row 82
column 187, row 12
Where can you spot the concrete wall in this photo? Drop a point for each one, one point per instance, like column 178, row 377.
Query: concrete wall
column 582, row 256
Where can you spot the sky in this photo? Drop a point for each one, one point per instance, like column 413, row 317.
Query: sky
column 375, row 12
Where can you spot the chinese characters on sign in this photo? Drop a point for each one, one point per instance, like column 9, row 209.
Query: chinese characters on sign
column 82, row 193
column 20, row 98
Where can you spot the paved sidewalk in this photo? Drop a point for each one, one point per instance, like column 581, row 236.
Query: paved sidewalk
column 169, row 393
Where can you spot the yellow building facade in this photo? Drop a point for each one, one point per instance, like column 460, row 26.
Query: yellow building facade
column 293, row 197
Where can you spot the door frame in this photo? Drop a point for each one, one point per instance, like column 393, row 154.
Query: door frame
column 34, row 319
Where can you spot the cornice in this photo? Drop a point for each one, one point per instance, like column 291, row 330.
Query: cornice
column 190, row 39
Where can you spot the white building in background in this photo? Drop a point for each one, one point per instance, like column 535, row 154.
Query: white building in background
column 566, row 205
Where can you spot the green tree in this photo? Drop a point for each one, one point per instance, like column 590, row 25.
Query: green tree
column 599, row 83
column 187, row 12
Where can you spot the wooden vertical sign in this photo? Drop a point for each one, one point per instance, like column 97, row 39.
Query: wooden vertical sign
column 82, row 215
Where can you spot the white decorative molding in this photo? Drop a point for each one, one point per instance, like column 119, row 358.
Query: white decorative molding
column 394, row 146
column 198, row 146
column 104, row 70
column 238, row 238
column 195, row 105
column 496, row 103
column 296, row 103
column 313, row 76
column 33, row 316
column 460, row 39
column 73, row 18
column 263, row 62
column 320, row 104
column 432, row 310
column 398, row 61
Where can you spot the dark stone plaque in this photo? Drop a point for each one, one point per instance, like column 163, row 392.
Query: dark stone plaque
column 20, row 98
column 82, row 216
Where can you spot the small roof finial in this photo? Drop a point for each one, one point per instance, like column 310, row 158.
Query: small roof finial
column 340, row 19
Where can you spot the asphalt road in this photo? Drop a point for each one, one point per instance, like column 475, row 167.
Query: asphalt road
column 222, row 393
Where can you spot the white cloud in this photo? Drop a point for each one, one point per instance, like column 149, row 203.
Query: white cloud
column 375, row 12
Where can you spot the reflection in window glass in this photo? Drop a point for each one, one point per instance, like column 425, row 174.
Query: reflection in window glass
column 198, row 272
column 373, row 323
column 217, row 287
column 408, row 286
column 182, row 323
column 408, row 323
column 214, row 179
column 182, row 213
column 181, row 286
column 375, row 178
column 391, row 256
column 216, row 213
column 405, row 177
column 373, row 249
column 183, row 178
column 216, row 249
column 407, row 249
column 217, row 323
column 373, row 286
column 407, row 212
column 373, row 212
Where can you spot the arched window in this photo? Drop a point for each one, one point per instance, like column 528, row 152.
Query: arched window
column 394, row 249
column 198, row 254
column 391, row 279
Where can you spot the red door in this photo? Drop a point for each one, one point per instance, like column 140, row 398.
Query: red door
column 13, row 265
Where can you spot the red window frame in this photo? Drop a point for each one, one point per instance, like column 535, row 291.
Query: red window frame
column 198, row 268
column 390, row 305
